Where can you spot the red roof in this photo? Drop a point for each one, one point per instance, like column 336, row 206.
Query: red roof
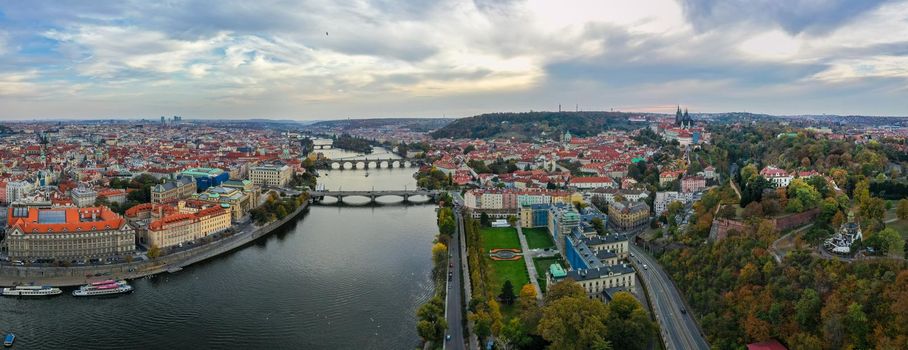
column 591, row 179
column 766, row 345
column 76, row 220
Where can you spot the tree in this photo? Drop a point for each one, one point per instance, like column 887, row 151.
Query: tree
column 754, row 209
column 598, row 225
column 154, row 251
column 432, row 324
column 485, row 220
column 575, row 323
column 513, row 335
column 507, row 293
column 529, row 310
column 838, row 219
column 872, row 210
column 512, row 220
column 564, row 289
column 439, row 254
column 629, row 325
column 902, row 209
column 807, row 310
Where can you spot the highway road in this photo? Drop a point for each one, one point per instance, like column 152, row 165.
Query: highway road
column 679, row 329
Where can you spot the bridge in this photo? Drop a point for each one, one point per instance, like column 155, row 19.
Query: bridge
column 368, row 163
column 372, row 195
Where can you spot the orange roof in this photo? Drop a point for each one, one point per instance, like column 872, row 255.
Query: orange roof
column 74, row 220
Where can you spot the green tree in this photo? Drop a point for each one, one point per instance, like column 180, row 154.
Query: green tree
column 154, row 251
column 485, row 220
column 432, row 324
column 807, row 310
column 513, row 335
column 629, row 325
column 507, row 295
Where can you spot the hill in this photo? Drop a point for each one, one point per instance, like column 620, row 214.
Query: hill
column 415, row 124
column 534, row 124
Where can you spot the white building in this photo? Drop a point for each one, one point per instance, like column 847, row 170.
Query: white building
column 16, row 190
column 664, row 198
column 270, row 175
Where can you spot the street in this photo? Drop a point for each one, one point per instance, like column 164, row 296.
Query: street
column 679, row 329
column 453, row 307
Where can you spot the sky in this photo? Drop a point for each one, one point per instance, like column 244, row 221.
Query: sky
column 330, row 59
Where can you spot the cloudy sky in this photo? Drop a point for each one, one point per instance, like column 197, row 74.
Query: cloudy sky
column 329, row 59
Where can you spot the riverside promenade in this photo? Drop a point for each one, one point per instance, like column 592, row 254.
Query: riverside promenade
column 79, row 275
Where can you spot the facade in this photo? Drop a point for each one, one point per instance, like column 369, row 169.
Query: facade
column 628, row 215
column 847, row 234
column 590, row 182
column 237, row 201
column 597, row 281
column 181, row 188
column 83, row 196
column 778, row 177
column 664, row 198
column 693, row 184
column 67, row 234
column 563, row 219
column 16, row 190
column 270, row 175
column 611, row 195
column 165, row 226
column 534, row 215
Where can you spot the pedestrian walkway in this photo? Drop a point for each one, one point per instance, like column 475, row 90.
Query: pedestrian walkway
column 531, row 267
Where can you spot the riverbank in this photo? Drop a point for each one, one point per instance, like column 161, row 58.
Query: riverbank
column 79, row 275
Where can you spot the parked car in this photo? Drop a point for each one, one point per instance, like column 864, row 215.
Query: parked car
column 645, row 267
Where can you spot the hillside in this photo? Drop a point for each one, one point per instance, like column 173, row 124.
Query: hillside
column 415, row 124
column 534, row 124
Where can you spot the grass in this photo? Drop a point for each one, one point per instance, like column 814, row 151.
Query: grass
column 901, row 226
column 542, row 266
column 499, row 237
column 538, row 238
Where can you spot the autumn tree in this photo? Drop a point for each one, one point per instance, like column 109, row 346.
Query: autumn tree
column 902, row 209
column 573, row 322
column 564, row 289
column 629, row 325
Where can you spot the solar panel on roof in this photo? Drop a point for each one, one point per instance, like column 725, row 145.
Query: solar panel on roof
column 51, row 217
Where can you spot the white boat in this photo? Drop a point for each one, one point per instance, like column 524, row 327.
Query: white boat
column 31, row 291
column 90, row 290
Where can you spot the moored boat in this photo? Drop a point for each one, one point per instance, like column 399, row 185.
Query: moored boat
column 113, row 287
column 30, row 291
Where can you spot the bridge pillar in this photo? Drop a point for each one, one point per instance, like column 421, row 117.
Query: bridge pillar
column 406, row 198
column 372, row 198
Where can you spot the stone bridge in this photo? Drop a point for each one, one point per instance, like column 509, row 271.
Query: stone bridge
column 317, row 196
column 368, row 163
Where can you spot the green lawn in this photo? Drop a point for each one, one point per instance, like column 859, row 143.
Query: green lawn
column 499, row 237
column 542, row 266
column 538, row 238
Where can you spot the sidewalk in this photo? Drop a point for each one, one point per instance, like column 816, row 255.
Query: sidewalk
column 531, row 267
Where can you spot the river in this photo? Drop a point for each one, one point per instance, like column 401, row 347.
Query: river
column 341, row 277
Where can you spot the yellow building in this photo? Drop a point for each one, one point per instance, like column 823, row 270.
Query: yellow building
column 627, row 215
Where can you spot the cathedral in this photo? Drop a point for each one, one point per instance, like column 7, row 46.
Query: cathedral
column 683, row 119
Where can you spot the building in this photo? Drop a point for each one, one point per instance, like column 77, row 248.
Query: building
column 237, row 201
column 534, row 215
column 206, row 177
column 596, row 281
column 180, row 188
column 83, row 196
column 848, row 233
column 778, row 177
column 664, row 198
column 563, row 219
column 67, row 234
column 666, row 177
column 165, row 225
column 693, row 184
column 610, row 195
column 627, row 215
column 590, row 182
column 16, row 190
column 270, row 175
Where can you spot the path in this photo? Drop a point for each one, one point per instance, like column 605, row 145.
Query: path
column 531, row 267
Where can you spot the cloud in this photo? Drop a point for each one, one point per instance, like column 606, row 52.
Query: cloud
column 794, row 16
column 452, row 57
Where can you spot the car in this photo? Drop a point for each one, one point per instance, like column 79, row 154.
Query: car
column 645, row 267
column 448, row 337
column 683, row 311
column 632, row 255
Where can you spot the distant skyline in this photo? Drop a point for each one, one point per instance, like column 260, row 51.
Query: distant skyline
column 365, row 59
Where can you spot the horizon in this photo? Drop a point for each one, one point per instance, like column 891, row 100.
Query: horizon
column 324, row 61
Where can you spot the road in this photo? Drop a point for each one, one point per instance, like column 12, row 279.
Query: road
column 453, row 305
column 679, row 330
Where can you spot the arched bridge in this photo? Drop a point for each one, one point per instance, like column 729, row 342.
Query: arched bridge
column 368, row 163
column 317, row 196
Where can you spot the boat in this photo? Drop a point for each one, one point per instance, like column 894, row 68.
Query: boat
column 367, row 174
column 9, row 339
column 30, row 291
column 89, row 290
